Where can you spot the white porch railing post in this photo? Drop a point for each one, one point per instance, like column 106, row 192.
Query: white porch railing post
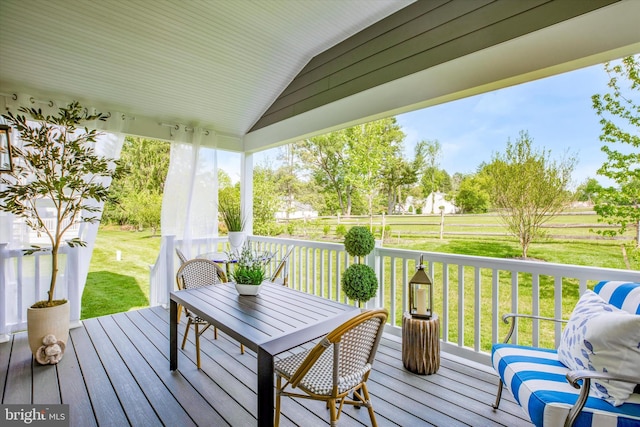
column 246, row 192
column 4, row 331
column 171, row 276
column 373, row 261
column 72, row 279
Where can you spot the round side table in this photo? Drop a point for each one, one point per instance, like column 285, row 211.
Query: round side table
column 421, row 344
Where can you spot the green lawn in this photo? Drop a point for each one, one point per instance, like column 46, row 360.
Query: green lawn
column 116, row 286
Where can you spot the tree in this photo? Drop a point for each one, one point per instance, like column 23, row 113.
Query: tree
column 325, row 157
column 266, row 201
column 433, row 150
column 351, row 159
column 528, row 188
column 57, row 164
column 619, row 112
column 399, row 175
column 588, row 191
column 472, row 195
column 369, row 147
column 137, row 194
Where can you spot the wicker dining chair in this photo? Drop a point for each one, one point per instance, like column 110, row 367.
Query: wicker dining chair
column 181, row 256
column 282, row 270
column 335, row 367
column 193, row 274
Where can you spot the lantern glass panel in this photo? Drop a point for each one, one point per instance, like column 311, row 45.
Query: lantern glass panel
column 421, row 299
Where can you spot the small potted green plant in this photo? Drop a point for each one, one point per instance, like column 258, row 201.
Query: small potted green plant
column 359, row 281
column 229, row 210
column 249, row 271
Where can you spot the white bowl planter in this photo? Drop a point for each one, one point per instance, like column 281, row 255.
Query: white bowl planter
column 247, row 289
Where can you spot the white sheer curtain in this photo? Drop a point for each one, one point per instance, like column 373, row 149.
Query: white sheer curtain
column 190, row 201
column 189, row 208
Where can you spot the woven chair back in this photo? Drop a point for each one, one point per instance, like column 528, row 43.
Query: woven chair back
column 197, row 273
column 353, row 346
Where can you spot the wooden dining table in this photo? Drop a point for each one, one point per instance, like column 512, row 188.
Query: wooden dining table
column 276, row 320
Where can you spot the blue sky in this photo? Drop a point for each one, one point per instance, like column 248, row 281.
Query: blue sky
column 556, row 111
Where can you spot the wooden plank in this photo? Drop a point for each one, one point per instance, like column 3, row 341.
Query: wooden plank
column 473, row 403
column 45, row 383
column 160, row 398
column 138, row 410
column 5, row 356
column 223, row 392
column 19, row 378
column 191, row 400
column 73, row 390
column 214, row 385
column 106, row 404
column 480, row 390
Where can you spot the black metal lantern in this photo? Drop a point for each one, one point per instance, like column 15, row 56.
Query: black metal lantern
column 421, row 294
column 6, row 165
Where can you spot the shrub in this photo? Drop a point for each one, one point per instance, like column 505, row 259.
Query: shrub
column 341, row 230
column 326, row 229
column 359, row 282
column 359, row 241
column 291, row 228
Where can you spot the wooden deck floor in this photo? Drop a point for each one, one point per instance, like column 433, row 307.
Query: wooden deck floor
column 116, row 372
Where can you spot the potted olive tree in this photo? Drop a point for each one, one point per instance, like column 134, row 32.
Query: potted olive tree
column 359, row 281
column 57, row 164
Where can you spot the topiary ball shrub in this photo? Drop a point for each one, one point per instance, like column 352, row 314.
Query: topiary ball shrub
column 359, row 241
column 359, row 282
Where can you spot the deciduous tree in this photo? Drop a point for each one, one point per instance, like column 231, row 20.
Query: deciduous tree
column 528, row 187
column 619, row 112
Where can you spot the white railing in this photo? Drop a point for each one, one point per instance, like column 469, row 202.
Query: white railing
column 24, row 279
column 472, row 292
column 162, row 274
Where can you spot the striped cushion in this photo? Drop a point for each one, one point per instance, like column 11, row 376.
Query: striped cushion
column 624, row 295
column 537, row 381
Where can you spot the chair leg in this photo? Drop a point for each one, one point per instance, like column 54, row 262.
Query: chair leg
column 196, row 326
column 333, row 412
column 241, row 348
column 215, row 333
column 186, row 332
column 367, row 399
column 276, row 422
column 498, row 396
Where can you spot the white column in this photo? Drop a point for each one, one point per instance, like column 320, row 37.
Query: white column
column 246, row 191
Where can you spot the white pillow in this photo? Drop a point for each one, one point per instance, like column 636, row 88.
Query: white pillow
column 600, row 337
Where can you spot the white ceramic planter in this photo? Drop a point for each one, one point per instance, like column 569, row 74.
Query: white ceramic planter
column 236, row 241
column 45, row 321
column 247, row 289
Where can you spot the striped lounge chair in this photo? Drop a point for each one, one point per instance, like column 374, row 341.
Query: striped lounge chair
column 552, row 394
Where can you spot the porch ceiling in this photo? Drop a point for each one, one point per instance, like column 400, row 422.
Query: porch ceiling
column 221, row 64
column 216, row 64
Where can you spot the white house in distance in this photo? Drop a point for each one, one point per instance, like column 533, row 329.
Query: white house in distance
column 296, row 210
column 436, row 199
